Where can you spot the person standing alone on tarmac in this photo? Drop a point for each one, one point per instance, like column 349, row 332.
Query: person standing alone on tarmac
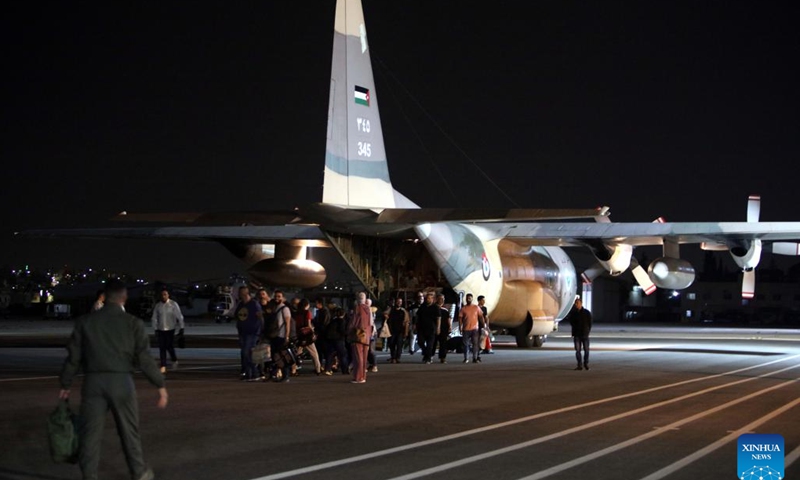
column 250, row 320
column 108, row 345
column 166, row 317
column 580, row 320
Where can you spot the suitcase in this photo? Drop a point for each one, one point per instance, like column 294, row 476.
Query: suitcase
column 285, row 357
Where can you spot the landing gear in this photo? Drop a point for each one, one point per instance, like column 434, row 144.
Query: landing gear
column 524, row 337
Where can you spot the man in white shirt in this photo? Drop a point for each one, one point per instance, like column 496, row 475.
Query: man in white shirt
column 166, row 317
column 284, row 321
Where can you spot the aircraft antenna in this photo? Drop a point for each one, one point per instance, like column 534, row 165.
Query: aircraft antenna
column 422, row 144
column 446, row 135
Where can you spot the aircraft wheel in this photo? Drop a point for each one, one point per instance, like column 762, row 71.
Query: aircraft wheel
column 523, row 336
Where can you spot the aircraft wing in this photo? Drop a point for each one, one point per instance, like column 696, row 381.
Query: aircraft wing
column 273, row 218
column 254, row 234
column 641, row 234
column 413, row 216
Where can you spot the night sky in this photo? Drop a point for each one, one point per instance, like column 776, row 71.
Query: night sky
column 653, row 108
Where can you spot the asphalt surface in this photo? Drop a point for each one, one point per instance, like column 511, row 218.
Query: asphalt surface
column 657, row 403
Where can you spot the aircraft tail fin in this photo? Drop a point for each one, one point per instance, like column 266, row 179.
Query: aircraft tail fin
column 356, row 169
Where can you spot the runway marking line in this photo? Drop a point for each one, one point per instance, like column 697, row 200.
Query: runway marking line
column 475, row 431
column 791, row 458
column 685, row 461
column 51, row 377
column 641, row 438
column 570, row 431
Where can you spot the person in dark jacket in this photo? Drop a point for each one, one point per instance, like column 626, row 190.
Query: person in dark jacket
column 321, row 321
column 399, row 322
column 250, row 321
column 108, row 345
column 335, row 334
column 428, row 326
column 580, row 320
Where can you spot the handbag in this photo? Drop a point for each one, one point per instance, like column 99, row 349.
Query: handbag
column 385, row 330
column 180, row 340
column 359, row 335
column 306, row 336
column 260, row 353
column 62, row 433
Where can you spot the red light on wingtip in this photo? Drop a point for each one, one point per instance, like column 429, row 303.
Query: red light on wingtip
column 650, row 290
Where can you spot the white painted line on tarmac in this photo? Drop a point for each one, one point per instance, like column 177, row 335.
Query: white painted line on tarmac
column 790, row 459
column 26, row 379
column 474, row 431
column 227, row 365
column 727, row 439
column 641, row 438
column 570, row 431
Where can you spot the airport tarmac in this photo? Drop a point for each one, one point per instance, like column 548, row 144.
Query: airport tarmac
column 658, row 402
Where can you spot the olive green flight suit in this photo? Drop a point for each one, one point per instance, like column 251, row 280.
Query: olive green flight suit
column 108, row 345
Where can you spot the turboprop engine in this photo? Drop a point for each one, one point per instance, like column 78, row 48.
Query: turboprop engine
column 283, row 264
column 671, row 273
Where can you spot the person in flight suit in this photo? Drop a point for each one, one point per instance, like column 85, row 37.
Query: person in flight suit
column 108, row 345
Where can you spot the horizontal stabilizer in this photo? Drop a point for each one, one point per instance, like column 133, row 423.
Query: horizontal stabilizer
column 276, row 217
column 253, row 234
column 483, row 215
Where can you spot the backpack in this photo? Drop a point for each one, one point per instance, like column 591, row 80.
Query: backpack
column 272, row 323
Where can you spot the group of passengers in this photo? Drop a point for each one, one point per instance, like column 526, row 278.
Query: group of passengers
column 342, row 340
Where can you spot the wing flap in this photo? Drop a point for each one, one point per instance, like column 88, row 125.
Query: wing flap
column 412, row 216
column 641, row 234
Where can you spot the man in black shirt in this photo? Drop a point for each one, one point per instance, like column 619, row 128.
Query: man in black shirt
column 428, row 326
column 445, row 323
column 580, row 320
column 399, row 322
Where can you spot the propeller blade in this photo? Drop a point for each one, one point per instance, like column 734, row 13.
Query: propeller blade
column 643, row 279
column 591, row 273
column 753, row 208
column 786, row 248
column 641, row 276
column 749, row 284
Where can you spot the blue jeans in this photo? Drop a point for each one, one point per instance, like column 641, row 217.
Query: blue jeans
column 473, row 336
column 247, row 342
column 581, row 343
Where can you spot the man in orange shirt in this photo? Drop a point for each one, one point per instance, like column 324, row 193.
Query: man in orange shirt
column 470, row 319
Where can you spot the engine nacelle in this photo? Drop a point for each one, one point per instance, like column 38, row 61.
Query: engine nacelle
column 614, row 260
column 671, row 273
column 747, row 256
column 289, row 273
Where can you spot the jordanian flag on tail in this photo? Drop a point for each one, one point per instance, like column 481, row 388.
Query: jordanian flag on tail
column 362, row 95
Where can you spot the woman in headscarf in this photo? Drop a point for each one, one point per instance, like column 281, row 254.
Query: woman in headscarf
column 360, row 332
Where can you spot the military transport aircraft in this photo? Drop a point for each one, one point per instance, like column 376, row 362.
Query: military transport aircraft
column 513, row 257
